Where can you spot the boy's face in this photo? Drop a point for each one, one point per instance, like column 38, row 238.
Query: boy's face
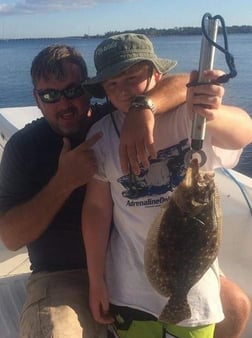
column 134, row 81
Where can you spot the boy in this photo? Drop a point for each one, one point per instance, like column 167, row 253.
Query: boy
column 126, row 67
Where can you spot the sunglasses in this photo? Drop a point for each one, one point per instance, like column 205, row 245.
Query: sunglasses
column 54, row 95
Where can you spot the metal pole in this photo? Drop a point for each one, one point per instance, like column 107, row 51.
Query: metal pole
column 206, row 63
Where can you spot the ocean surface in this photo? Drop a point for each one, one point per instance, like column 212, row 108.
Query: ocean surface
column 16, row 57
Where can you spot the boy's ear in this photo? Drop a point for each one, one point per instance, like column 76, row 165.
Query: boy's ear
column 158, row 76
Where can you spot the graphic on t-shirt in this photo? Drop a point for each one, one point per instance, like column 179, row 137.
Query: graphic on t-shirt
column 163, row 175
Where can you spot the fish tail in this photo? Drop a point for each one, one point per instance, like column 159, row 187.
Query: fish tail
column 175, row 310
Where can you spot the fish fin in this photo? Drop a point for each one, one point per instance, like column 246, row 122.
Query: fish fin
column 175, row 310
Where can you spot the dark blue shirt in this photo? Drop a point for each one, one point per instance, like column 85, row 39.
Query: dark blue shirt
column 29, row 161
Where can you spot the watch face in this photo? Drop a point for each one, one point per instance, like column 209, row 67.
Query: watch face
column 144, row 102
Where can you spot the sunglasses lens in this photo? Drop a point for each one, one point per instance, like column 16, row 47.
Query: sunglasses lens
column 73, row 92
column 53, row 95
column 50, row 95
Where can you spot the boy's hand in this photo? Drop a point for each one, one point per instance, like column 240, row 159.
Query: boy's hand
column 99, row 304
column 136, row 140
column 205, row 99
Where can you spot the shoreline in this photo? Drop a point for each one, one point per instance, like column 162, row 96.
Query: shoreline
column 150, row 32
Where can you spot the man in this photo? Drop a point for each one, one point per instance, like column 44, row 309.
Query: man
column 44, row 169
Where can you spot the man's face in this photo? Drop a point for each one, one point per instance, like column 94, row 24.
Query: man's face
column 67, row 116
column 135, row 81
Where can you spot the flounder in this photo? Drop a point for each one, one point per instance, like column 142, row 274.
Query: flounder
column 184, row 241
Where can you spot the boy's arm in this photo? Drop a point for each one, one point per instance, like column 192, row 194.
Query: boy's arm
column 136, row 141
column 96, row 222
column 230, row 127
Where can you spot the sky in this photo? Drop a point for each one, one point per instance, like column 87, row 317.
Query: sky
column 58, row 18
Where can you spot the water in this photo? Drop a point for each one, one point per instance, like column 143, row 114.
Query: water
column 16, row 57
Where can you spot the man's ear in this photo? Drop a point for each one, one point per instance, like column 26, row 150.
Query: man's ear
column 35, row 95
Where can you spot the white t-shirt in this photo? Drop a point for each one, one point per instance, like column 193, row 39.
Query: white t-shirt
column 137, row 203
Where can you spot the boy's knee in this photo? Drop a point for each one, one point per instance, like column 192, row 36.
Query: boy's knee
column 236, row 307
column 234, row 299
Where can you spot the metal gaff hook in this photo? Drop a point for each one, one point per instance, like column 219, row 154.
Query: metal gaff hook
column 206, row 62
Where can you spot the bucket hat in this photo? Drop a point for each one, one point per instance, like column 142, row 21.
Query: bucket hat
column 119, row 52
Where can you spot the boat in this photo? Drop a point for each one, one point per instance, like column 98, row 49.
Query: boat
column 235, row 252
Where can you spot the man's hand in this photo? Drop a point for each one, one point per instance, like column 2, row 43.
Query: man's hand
column 77, row 166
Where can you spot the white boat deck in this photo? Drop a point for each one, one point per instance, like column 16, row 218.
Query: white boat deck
column 14, row 272
column 235, row 254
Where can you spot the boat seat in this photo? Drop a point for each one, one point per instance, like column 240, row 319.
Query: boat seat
column 12, row 296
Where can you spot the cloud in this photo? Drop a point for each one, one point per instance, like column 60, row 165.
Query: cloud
column 40, row 6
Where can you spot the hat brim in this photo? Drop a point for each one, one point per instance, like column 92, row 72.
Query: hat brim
column 94, row 86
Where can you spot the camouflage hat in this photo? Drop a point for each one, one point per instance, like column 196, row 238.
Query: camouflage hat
column 119, row 52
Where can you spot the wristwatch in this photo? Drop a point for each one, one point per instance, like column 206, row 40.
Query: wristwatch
column 141, row 101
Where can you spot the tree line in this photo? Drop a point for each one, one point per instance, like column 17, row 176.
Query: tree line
column 175, row 31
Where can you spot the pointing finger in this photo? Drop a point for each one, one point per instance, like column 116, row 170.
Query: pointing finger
column 66, row 146
column 91, row 141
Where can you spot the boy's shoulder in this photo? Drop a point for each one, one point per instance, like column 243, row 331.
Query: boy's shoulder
column 109, row 125
column 101, row 109
column 103, row 120
column 176, row 114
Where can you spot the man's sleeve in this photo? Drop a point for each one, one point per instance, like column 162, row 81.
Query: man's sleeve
column 13, row 181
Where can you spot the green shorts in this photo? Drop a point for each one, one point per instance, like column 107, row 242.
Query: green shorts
column 147, row 326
